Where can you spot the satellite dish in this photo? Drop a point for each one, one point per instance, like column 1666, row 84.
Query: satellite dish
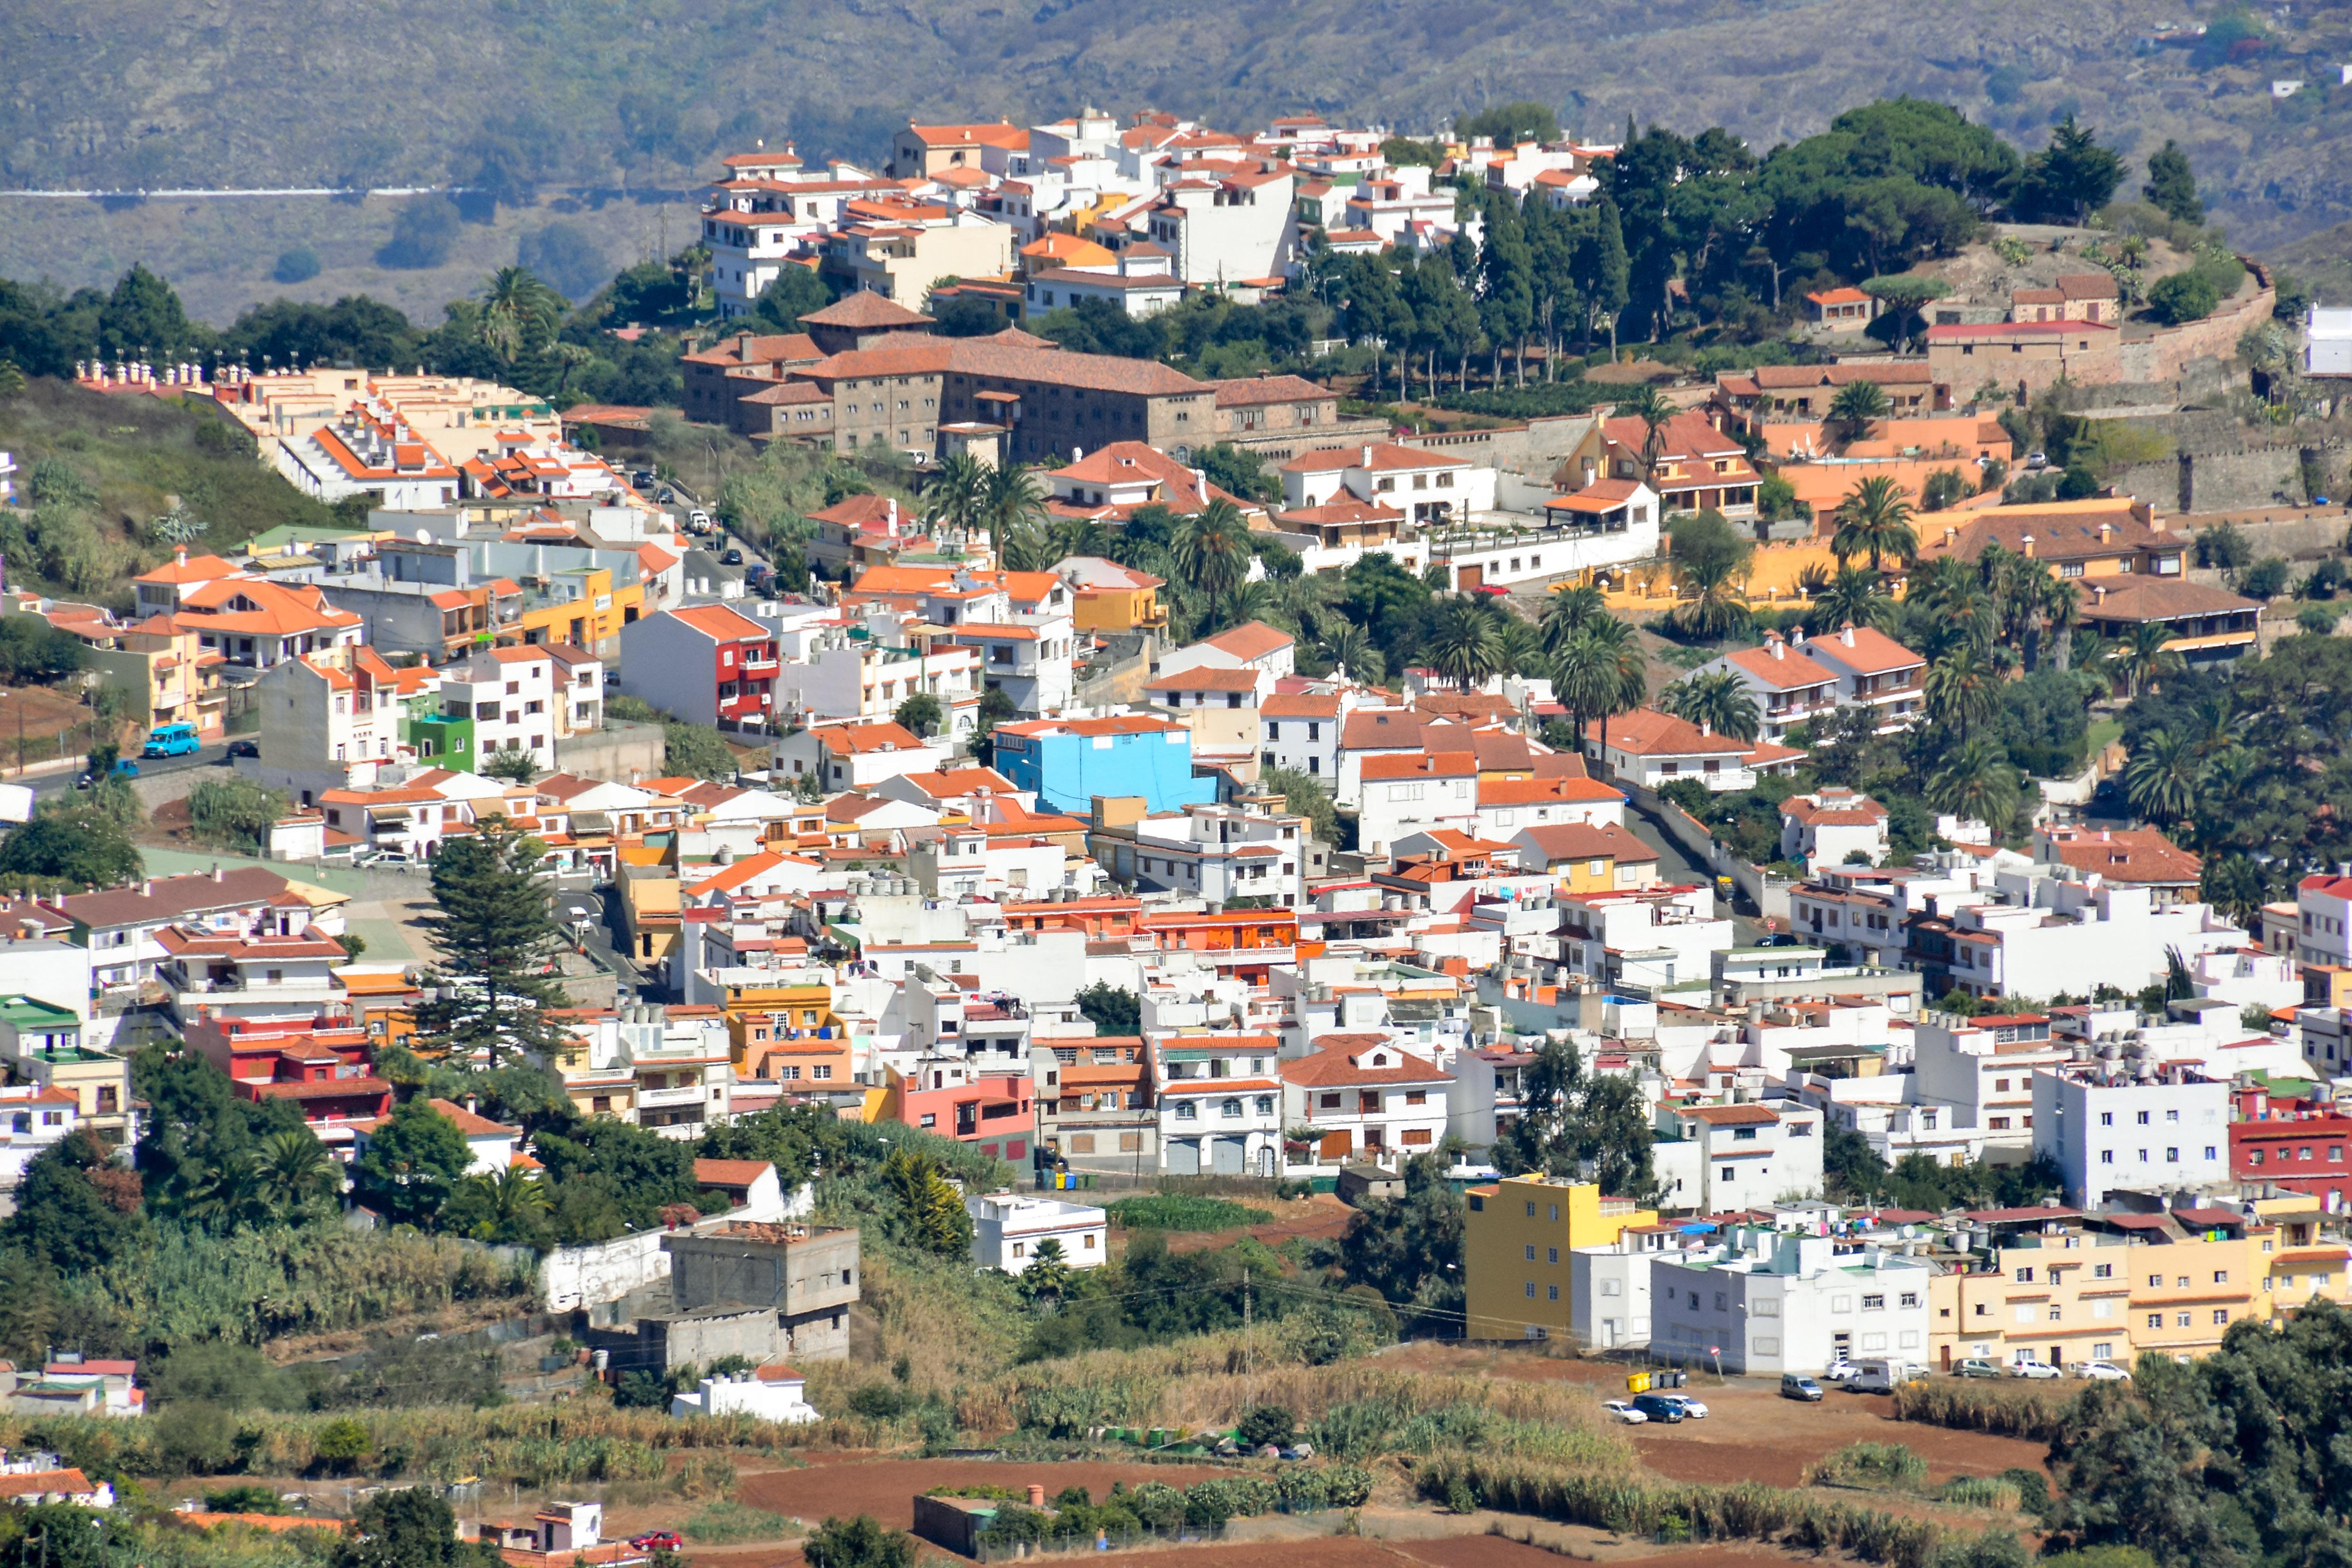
column 425, row 536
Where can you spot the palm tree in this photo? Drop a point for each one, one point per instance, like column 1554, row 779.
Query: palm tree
column 1012, row 500
column 519, row 312
column 1854, row 596
column 230, row 1192
column 1622, row 680
column 2055, row 603
column 1650, row 406
column 1213, row 552
column 1569, row 612
column 1716, row 605
column 1718, row 700
column 1962, row 690
column 2235, row 885
column 1048, row 1274
column 1464, row 643
column 2160, row 781
column 1857, row 406
column 1028, row 545
column 2143, row 660
column 1875, row 517
column 1976, row 783
column 1352, row 649
column 955, row 494
column 1958, row 612
column 293, row 1166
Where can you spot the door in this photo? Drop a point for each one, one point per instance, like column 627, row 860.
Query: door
column 1183, row 1157
column 1225, row 1159
column 1470, row 579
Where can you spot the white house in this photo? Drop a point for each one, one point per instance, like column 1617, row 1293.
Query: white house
column 1367, row 1099
column 1252, row 646
column 1219, row 1102
column 1873, row 671
column 766, row 1393
column 1789, row 689
column 1398, row 795
column 857, row 755
column 2109, row 1128
column 2061, row 935
column 1831, row 827
column 1981, row 1071
column 1301, row 733
column 1008, row 1230
column 1653, row 749
column 1426, row 486
column 1768, row 1302
column 493, row 1142
column 1710, row 1158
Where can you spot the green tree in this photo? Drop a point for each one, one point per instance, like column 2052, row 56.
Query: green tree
column 1875, row 519
column 1304, row 793
column 1212, row 552
column 77, row 1210
column 1975, row 782
column 1962, row 690
column 234, row 813
column 1112, row 1011
column 413, row 1162
column 1601, row 269
column 70, row 843
column 859, row 1542
column 1709, row 558
column 1900, row 298
column 1508, row 124
column 1576, row 1122
column 490, row 993
column 931, row 1214
column 2071, row 179
column 2141, row 660
column 409, row 1527
column 1600, row 673
column 1852, row 596
column 1013, row 508
column 519, row 313
column 1649, row 406
column 2161, row 778
column 1237, row 471
column 2171, row 185
column 1858, row 405
column 956, row 495
column 2183, row 296
column 920, row 714
column 515, row 766
column 1408, row 1250
column 1717, row 700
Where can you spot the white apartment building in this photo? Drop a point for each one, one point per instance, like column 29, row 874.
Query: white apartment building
column 1219, row 1102
column 2132, row 1126
column 1415, row 793
column 1644, row 939
column 1982, row 1070
column 1302, row 733
column 1609, row 1286
column 855, row 754
column 2322, row 906
column 846, row 677
column 1007, row 1231
column 323, row 710
column 1221, row 853
column 2060, row 934
column 1832, row 827
column 525, row 699
column 1228, row 223
column 1031, row 664
column 1770, row 1301
column 1710, row 1158
column 1367, row 1099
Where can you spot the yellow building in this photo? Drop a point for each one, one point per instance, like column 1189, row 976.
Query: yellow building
column 2300, row 1263
column 1108, row 597
column 1515, row 1245
column 763, row 1015
column 2059, row 1296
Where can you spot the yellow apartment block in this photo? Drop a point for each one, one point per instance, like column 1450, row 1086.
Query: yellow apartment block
column 1516, row 1246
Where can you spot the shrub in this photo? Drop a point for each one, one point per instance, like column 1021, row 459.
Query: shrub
column 243, row 1499
column 1968, row 1407
column 1268, row 1423
column 1980, row 1492
column 1870, row 1464
column 1177, row 1211
column 341, row 1445
column 2184, row 297
column 297, row 266
column 725, row 1523
column 2266, row 579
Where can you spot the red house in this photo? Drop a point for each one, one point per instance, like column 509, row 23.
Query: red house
column 997, row 1110
column 705, row 662
column 2296, row 1144
column 324, row 1065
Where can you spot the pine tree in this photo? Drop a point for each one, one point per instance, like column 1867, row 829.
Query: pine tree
column 495, row 937
column 2172, row 185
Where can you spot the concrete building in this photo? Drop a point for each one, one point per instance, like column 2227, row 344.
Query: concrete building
column 2132, row 1126
column 1220, row 1101
column 1834, row 827
column 1365, row 1098
column 1007, row 1231
column 765, row 1393
column 804, row 1277
column 705, row 662
column 1520, row 1234
column 1070, row 761
column 1766, row 1302
column 1714, row 1158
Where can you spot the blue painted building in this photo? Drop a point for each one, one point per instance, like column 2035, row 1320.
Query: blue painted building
column 1069, row 761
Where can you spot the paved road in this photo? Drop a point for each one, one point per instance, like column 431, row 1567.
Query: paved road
column 599, row 911
column 62, row 782
column 1675, row 864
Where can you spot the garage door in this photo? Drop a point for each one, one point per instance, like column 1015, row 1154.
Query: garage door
column 1183, row 1157
column 1470, row 579
column 1227, row 1156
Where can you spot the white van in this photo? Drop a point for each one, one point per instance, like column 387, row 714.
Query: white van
column 1883, row 1376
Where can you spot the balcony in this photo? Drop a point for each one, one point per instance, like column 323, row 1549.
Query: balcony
column 653, row 1098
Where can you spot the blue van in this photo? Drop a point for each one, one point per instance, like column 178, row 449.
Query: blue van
column 172, row 740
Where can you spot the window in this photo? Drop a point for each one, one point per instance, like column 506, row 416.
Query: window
column 2221, row 1315
column 1909, row 1298
column 1531, row 1252
column 2024, row 1276
column 1551, row 1254
column 1531, row 1290
column 2183, row 1319
column 1552, row 1293
column 1874, row 1303
column 2221, row 1276
column 2103, row 1271
column 2155, row 1319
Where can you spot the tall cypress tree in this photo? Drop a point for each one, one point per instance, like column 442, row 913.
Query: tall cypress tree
column 495, row 937
column 2171, row 185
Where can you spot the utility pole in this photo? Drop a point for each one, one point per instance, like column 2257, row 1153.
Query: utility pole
column 1249, row 1346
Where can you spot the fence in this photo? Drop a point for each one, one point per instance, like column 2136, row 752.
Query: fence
column 1176, row 1535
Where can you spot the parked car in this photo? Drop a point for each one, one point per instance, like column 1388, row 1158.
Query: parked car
column 1841, row 1371
column 1797, row 1385
column 1658, row 1408
column 2026, row 1366
column 1976, row 1367
column 1621, row 1411
column 125, row 768
column 172, row 740
column 244, row 749
column 698, row 520
column 2101, row 1372
column 1691, row 1407
column 642, row 479
column 1882, row 1376
column 732, row 557
column 381, row 857
column 656, row 1541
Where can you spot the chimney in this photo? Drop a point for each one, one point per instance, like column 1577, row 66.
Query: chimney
column 894, row 513
column 1845, row 633
column 744, row 346
column 1036, row 1495
column 2098, row 593
column 1951, row 532
column 2107, row 532
column 1772, row 641
column 1368, row 455
column 2026, row 544
column 180, row 555
column 218, row 874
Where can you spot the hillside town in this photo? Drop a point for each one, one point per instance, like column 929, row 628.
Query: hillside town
column 1775, row 873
